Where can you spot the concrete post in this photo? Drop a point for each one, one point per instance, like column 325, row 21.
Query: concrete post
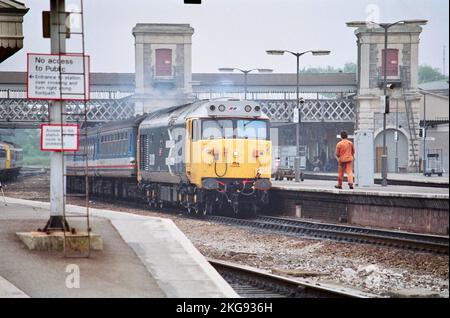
column 58, row 45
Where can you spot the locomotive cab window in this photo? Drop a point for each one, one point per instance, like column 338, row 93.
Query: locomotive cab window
column 196, row 130
column 239, row 128
column 217, row 129
column 251, row 129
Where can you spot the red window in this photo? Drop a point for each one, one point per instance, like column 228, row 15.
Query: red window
column 392, row 62
column 163, row 60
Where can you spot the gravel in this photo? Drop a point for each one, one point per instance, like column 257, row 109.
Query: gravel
column 378, row 270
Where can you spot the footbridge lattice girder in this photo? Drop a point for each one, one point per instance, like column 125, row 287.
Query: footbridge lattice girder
column 24, row 111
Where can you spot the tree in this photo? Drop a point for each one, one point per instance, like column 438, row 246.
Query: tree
column 29, row 140
column 430, row 74
column 349, row 67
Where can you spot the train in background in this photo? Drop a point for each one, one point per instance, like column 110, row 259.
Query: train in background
column 205, row 156
column 11, row 160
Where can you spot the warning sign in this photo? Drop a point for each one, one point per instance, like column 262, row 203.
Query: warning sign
column 51, row 137
column 58, row 77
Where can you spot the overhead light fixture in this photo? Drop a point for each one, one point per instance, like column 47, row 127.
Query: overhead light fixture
column 226, row 69
column 320, row 52
column 275, row 52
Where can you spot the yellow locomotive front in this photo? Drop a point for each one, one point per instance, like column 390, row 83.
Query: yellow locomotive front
column 228, row 155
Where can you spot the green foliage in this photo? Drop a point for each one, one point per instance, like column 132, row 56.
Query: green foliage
column 29, row 140
column 349, row 67
column 426, row 73
column 429, row 74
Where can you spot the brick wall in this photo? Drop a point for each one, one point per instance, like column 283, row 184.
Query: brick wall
column 408, row 214
column 400, row 218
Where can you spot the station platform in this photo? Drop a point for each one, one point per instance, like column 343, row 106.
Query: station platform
column 407, row 179
column 399, row 207
column 378, row 190
column 141, row 257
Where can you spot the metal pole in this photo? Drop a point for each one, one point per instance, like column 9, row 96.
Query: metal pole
column 398, row 136
column 384, row 156
column 245, row 85
column 297, row 126
column 58, row 46
column 424, row 160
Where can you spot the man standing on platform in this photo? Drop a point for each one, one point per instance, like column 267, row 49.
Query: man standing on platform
column 344, row 155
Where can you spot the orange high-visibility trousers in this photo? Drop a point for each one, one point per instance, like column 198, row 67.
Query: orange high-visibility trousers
column 346, row 167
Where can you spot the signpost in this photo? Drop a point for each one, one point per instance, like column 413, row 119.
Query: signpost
column 43, row 77
column 51, row 137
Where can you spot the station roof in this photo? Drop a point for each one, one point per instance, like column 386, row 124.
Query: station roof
column 276, row 79
column 11, row 5
column 11, row 18
column 439, row 87
column 127, row 80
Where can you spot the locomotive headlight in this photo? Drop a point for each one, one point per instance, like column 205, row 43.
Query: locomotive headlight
column 257, row 108
column 222, row 108
column 212, row 108
column 248, row 108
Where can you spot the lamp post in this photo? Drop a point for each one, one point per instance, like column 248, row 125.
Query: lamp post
column 424, row 131
column 232, row 69
column 298, row 110
column 385, row 27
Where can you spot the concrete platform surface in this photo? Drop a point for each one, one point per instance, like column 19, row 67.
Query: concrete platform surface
column 377, row 190
column 405, row 177
column 142, row 257
column 8, row 290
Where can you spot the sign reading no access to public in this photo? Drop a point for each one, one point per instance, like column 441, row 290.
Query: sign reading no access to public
column 52, row 139
column 58, row 77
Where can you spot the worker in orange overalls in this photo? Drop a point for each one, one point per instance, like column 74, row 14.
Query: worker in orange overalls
column 344, row 155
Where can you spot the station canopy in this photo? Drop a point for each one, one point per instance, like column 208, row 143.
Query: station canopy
column 11, row 34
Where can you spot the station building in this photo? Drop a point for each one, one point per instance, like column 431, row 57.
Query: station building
column 333, row 102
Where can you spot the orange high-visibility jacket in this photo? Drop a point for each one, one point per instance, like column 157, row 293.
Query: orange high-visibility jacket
column 345, row 150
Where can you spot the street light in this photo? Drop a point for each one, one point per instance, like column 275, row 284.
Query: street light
column 385, row 26
column 297, row 110
column 232, row 69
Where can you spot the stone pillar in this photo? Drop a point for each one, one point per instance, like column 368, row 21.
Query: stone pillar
column 163, row 66
column 404, row 39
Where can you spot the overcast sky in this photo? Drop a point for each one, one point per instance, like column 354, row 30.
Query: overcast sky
column 236, row 33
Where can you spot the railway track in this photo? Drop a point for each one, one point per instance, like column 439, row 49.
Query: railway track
column 339, row 232
column 32, row 171
column 344, row 233
column 249, row 282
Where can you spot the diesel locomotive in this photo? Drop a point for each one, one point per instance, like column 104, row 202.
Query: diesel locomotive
column 206, row 156
column 11, row 160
